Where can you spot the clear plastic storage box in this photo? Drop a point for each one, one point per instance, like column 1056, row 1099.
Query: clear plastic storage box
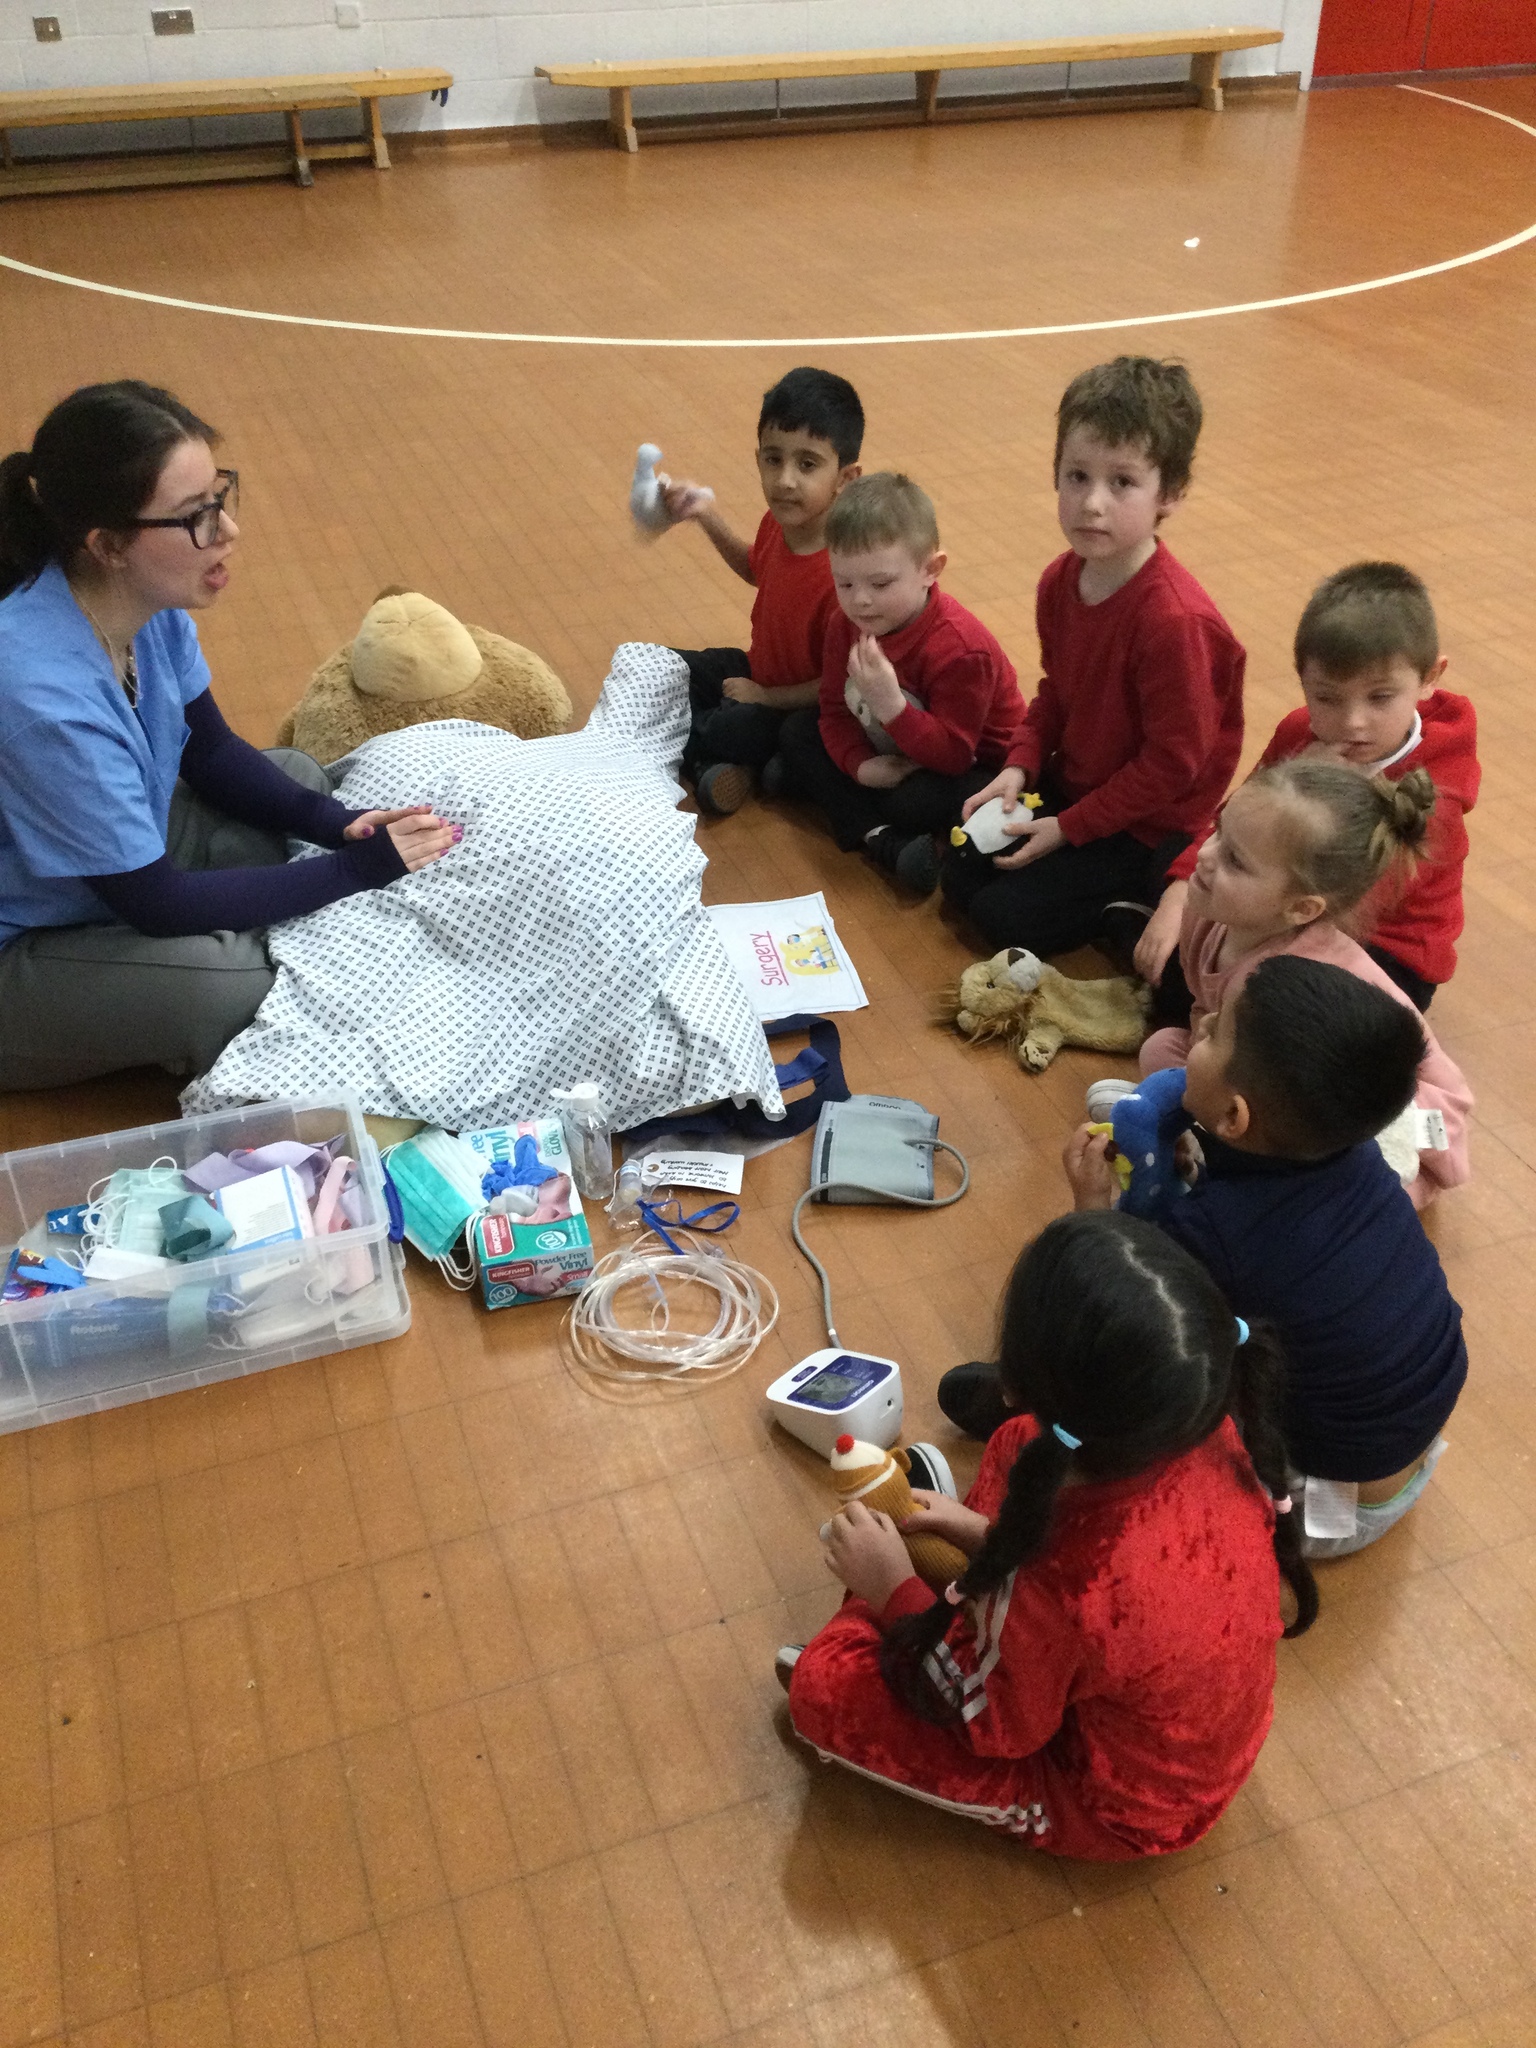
column 111, row 1342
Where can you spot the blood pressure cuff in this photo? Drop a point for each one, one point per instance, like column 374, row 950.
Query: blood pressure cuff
column 874, row 1145
column 821, row 1063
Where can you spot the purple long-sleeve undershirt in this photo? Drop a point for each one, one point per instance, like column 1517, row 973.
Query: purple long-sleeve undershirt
column 166, row 902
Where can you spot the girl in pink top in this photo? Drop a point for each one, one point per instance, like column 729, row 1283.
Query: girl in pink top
column 1297, row 848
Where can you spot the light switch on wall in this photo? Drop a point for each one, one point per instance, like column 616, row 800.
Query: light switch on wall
column 349, row 13
column 46, row 28
column 171, row 21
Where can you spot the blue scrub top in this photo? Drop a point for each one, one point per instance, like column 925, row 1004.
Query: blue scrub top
column 85, row 779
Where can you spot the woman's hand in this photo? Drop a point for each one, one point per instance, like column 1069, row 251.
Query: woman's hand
column 866, row 1552
column 1008, row 784
column 1157, row 943
column 1040, row 836
column 951, row 1519
column 1086, row 1159
column 420, row 836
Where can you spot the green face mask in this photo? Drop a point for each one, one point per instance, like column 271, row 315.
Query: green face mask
column 438, row 1182
column 128, row 1207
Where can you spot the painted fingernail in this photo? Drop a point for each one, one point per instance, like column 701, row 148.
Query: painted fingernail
column 458, row 834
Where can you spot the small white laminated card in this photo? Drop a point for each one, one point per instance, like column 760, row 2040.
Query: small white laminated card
column 717, row 1173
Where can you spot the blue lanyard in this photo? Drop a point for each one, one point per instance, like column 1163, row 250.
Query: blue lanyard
column 651, row 1213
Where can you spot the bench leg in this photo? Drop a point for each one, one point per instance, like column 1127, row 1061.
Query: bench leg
column 1205, row 77
column 927, row 94
column 621, row 118
column 301, row 170
column 373, row 131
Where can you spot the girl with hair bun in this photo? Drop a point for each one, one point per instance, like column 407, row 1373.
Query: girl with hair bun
column 1296, row 855
column 143, row 846
column 1100, row 1679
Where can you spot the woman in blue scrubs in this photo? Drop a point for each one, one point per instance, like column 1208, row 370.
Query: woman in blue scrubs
column 143, row 845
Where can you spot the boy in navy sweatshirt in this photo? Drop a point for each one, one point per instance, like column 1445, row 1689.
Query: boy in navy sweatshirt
column 1304, row 1226
column 918, row 703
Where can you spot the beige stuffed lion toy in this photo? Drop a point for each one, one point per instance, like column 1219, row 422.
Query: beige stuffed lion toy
column 1039, row 1010
column 413, row 662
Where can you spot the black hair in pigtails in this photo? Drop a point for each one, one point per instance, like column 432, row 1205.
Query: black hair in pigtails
column 1021, row 1530
column 1258, row 1386
column 1118, row 1335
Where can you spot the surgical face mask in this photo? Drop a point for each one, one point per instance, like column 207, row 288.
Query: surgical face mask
column 438, row 1182
column 127, row 1207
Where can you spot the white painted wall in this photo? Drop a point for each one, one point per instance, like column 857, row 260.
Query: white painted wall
column 492, row 46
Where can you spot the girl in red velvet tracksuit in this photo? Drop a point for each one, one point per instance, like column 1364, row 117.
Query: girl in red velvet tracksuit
column 1100, row 1680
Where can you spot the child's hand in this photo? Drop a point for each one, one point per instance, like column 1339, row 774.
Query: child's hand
column 1040, row 836
column 884, row 771
column 1086, row 1160
column 874, row 679
column 1157, row 943
column 866, row 1552
column 742, row 690
column 1008, row 783
column 951, row 1519
column 420, row 836
column 684, row 500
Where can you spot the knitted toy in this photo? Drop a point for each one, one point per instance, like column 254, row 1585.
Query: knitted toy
column 411, row 663
column 1146, row 1124
column 879, row 1479
column 1039, row 1010
column 645, row 489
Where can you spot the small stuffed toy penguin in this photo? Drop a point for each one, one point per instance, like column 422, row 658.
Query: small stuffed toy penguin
column 878, row 1479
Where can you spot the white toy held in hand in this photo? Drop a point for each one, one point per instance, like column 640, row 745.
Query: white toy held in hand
column 648, row 507
column 985, row 829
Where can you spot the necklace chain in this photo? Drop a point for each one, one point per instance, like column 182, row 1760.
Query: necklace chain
column 128, row 672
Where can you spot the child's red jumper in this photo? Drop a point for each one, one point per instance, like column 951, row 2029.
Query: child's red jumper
column 1113, row 1693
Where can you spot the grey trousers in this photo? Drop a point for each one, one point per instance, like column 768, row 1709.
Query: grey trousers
column 80, row 1000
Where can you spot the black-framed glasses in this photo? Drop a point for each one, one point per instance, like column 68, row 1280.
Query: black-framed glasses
column 202, row 522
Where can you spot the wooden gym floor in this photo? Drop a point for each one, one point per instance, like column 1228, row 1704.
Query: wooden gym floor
column 416, row 1696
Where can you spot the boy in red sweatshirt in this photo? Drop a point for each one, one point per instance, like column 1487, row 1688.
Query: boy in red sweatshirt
column 1368, row 655
column 809, row 433
column 1136, row 727
column 918, row 705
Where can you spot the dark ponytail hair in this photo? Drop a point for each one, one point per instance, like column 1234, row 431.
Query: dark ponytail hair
column 94, row 462
column 1117, row 1333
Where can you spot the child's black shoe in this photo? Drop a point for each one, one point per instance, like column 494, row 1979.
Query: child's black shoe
column 971, row 1397
column 722, row 787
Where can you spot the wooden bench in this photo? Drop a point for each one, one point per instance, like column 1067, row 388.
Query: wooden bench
column 1205, row 49
column 193, row 99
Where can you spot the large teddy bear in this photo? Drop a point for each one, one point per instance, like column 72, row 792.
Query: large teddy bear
column 1039, row 1010
column 413, row 662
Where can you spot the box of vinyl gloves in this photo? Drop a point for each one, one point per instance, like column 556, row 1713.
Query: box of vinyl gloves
column 539, row 1246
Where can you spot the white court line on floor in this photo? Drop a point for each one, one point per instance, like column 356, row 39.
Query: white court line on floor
column 819, row 341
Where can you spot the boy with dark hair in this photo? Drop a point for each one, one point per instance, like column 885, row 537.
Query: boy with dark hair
column 918, row 702
column 809, row 434
column 1304, row 1226
column 1136, row 727
column 1368, row 655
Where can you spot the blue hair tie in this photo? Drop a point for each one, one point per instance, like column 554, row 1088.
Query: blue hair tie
column 1243, row 1332
column 1073, row 1443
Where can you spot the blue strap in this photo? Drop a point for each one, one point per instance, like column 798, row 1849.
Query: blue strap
column 821, row 1063
column 652, row 1214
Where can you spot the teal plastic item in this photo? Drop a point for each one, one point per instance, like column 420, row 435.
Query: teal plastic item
column 193, row 1229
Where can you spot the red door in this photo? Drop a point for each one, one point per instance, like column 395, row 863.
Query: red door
column 1465, row 33
column 1356, row 37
